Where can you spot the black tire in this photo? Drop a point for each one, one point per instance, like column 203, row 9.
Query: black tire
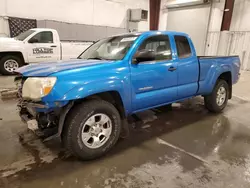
column 17, row 59
column 74, row 123
column 210, row 100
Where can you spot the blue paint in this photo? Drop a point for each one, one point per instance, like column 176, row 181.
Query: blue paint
column 140, row 86
column 212, row 68
column 188, row 73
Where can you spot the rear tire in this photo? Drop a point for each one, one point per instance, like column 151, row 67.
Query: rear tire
column 85, row 143
column 217, row 100
column 10, row 63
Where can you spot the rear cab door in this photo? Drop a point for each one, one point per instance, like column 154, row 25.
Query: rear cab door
column 43, row 46
column 154, row 82
column 187, row 67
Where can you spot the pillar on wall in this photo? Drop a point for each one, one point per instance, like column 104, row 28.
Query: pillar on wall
column 227, row 16
column 154, row 8
column 225, row 26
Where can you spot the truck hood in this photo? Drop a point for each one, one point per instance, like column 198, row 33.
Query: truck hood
column 6, row 39
column 8, row 44
column 48, row 68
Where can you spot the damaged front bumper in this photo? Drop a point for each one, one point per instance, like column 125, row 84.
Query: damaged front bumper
column 46, row 120
column 28, row 113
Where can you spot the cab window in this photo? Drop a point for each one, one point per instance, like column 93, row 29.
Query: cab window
column 42, row 37
column 160, row 45
column 183, row 47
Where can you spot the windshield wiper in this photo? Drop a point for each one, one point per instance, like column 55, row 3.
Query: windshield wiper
column 98, row 58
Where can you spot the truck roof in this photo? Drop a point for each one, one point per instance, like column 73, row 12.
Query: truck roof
column 43, row 29
column 154, row 32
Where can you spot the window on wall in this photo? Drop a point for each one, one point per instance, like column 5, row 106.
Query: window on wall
column 158, row 44
column 43, row 37
column 183, row 47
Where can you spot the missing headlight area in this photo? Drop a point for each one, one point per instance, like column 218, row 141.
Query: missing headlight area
column 19, row 81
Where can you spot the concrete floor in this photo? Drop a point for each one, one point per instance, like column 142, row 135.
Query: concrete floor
column 7, row 82
column 185, row 147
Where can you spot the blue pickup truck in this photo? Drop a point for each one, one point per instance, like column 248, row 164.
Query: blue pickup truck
column 87, row 100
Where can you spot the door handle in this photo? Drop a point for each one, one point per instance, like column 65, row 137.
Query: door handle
column 171, row 69
column 53, row 46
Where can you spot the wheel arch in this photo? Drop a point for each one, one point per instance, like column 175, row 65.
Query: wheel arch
column 13, row 53
column 110, row 96
column 227, row 76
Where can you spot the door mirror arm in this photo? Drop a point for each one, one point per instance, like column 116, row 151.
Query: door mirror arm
column 135, row 62
column 143, row 55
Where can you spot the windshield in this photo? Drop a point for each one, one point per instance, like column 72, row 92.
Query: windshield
column 24, row 35
column 114, row 48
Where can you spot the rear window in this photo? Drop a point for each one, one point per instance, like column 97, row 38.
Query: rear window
column 183, row 47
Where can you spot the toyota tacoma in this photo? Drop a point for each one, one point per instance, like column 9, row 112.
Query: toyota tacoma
column 86, row 101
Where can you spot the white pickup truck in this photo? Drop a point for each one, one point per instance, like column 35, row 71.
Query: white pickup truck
column 36, row 45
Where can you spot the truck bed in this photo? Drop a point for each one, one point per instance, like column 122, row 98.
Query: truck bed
column 208, row 65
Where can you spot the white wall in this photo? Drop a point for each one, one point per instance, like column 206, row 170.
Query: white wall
column 241, row 16
column 216, row 15
column 213, row 23
column 93, row 12
column 3, row 23
column 215, row 18
column 214, row 27
column 163, row 16
column 240, row 19
column 4, row 29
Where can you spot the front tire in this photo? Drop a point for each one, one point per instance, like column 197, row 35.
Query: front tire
column 10, row 63
column 217, row 100
column 91, row 129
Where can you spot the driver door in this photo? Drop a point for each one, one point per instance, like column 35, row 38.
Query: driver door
column 42, row 47
column 154, row 82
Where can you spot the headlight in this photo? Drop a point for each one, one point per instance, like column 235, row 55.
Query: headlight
column 37, row 87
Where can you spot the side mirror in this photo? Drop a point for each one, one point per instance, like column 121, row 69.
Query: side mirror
column 33, row 40
column 144, row 55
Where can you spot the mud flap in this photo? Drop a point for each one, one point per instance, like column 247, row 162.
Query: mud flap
column 125, row 129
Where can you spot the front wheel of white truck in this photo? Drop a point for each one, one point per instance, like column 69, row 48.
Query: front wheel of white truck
column 217, row 100
column 91, row 129
column 9, row 64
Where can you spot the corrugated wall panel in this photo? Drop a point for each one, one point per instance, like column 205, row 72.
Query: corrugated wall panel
column 212, row 43
column 80, row 32
column 239, row 44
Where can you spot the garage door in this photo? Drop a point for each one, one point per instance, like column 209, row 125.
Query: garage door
column 192, row 20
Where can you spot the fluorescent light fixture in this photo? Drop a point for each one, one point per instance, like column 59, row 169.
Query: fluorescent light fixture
column 182, row 3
